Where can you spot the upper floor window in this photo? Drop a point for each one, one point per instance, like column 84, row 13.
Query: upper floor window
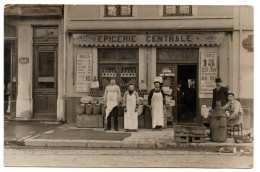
column 118, row 10
column 177, row 10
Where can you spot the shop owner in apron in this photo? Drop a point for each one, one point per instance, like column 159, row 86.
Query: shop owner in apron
column 112, row 98
column 156, row 101
column 131, row 104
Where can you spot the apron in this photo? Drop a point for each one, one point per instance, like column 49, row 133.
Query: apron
column 131, row 117
column 157, row 110
column 111, row 102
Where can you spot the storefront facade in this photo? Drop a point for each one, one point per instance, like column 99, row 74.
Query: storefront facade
column 187, row 46
column 191, row 49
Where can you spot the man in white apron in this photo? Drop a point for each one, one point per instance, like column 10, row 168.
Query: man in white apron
column 112, row 98
column 156, row 101
column 130, row 104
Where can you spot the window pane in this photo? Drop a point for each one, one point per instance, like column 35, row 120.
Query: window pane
column 125, row 10
column 170, row 10
column 111, row 10
column 52, row 32
column 107, row 56
column 46, row 64
column 39, row 32
column 184, row 9
column 46, row 85
column 127, row 55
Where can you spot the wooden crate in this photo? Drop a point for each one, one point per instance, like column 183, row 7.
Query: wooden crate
column 120, row 122
column 141, row 121
column 189, row 128
column 147, row 118
column 89, row 121
column 189, row 138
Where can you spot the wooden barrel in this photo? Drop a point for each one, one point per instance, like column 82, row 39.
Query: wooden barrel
column 80, row 109
column 89, row 109
column 96, row 109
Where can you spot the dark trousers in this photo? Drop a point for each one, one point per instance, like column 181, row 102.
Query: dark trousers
column 114, row 112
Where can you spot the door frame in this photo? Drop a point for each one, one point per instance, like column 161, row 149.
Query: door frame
column 54, row 90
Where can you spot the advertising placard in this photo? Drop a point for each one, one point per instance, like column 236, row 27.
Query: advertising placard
column 208, row 72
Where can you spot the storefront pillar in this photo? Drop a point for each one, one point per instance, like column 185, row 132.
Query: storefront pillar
column 62, row 70
column 143, row 55
column 95, row 62
column 151, row 66
column 24, row 106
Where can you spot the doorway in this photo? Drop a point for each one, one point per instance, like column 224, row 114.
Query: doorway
column 186, row 93
column 7, row 77
column 10, row 70
column 45, row 82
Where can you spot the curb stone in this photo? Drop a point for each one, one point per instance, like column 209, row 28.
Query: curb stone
column 130, row 144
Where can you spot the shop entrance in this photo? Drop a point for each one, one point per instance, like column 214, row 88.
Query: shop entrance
column 178, row 67
column 186, row 93
column 45, row 82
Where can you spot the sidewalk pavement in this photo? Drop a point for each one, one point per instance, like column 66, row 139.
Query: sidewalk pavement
column 15, row 132
column 68, row 135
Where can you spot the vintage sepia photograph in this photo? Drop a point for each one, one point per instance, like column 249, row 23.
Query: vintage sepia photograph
column 128, row 85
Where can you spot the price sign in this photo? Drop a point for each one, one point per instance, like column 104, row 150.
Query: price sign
column 84, row 72
column 208, row 72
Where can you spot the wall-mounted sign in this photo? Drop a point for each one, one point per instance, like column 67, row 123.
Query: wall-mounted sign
column 248, row 43
column 84, row 72
column 34, row 11
column 24, row 60
column 208, row 72
column 149, row 39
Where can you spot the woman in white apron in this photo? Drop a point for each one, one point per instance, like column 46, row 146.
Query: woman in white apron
column 156, row 100
column 112, row 98
column 130, row 104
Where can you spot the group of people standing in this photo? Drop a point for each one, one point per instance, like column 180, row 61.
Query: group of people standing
column 112, row 100
column 156, row 102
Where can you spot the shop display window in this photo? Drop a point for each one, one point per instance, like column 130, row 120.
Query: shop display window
column 123, row 67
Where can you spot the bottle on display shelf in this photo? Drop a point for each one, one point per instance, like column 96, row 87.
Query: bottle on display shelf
column 106, row 72
column 130, row 72
column 126, row 72
column 134, row 74
column 114, row 73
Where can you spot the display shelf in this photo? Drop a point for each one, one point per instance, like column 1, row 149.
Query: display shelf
column 107, row 76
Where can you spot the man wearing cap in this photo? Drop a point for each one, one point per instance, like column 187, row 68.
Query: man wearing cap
column 156, row 101
column 235, row 110
column 219, row 94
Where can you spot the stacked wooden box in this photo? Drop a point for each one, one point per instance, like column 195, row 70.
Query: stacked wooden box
column 189, row 133
column 90, row 121
column 92, row 116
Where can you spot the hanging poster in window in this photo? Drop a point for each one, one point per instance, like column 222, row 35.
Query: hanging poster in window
column 208, row 72
column 84, row 72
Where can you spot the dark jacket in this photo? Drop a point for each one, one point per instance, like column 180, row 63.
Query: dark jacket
column 220, row 95
column 151, row 96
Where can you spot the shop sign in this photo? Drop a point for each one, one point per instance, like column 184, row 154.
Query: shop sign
column 139, row 39
column 84, row 72
column 34, row 11
column 208, row 72
column 24, row 60
column 248, row 43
